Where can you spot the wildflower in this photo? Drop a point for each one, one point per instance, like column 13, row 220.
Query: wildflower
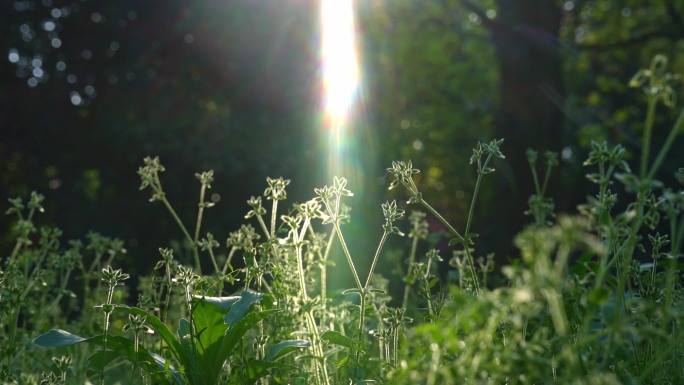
column 257, row 207
column 656, row 82
column 276, row 188
column 391, row 214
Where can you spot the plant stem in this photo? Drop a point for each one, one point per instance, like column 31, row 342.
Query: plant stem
column 185, row 232
column 362, row 320
column 213, row 260
column 228, row 259
column 412, row 257
column 262, row 224
column 274, row 213
column 428, row 294
column 198, row 225
column 666, row 146
column 476, row 192
column 375, row 258
column 535, row 178
column 311, row 322
column 324, row 267
column 350, row 261
column 439, row 217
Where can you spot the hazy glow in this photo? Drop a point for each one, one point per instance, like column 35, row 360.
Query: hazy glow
column 340, row 71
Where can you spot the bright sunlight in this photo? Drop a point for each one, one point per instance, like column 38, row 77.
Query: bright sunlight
column 340, row 72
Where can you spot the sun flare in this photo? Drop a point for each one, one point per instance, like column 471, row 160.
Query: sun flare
column 340, row 72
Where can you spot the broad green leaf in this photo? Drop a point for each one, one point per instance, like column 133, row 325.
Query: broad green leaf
column 208, row 318
column 283, row 348
column 247, row 299
column 223, row 303
column 57, row 338
column 210, row 328
column 235, row 333
column 219, row 333
column 337, row 338
column 117, row 347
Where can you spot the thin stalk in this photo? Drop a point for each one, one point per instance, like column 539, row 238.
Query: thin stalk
column 300, row 262
column 381, row 328
column 350, row 261
column 375, row 258
column 167, row 292
column 680, row 235
column 107, row 314
column 231, row 253
column 469, row 221
column 535, row 178
column 213, row 260
column 185, row 232
column 198, row 225
column 200, row 212
column 476, row 191
column 666, row 146
column 311, row 322
column 362, row 320
column 646, row 140
column 324, row 267
column 395, row 345
column 428, row 295
column 439, row 217
column 324, row 258
column 274, row 213
column 412, row 257
column 262, row 224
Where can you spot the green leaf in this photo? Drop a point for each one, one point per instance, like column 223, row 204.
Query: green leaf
column 238, row 310
column 237, row 331
column 218, row 332
column 342, row 362
column 183, row 329
column 117, row 347
column 281, row 349
column 222, row 303
column 337, row 338
column 123, row 347
column 207, row 315
column 178, row 350
column 254, row 370
column 57, row 338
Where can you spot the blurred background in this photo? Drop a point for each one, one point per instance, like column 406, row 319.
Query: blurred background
column 88, row 88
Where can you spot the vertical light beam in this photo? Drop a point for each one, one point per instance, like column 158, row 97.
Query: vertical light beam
column 340, row 74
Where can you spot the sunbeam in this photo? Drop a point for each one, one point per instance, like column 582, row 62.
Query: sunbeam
column 340, row 74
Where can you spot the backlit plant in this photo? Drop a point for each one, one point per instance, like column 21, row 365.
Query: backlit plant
column 596, row 297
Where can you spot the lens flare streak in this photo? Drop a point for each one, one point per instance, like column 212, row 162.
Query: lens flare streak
column 340, row 73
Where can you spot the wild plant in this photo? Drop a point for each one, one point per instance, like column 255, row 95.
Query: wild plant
column 595, row 298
